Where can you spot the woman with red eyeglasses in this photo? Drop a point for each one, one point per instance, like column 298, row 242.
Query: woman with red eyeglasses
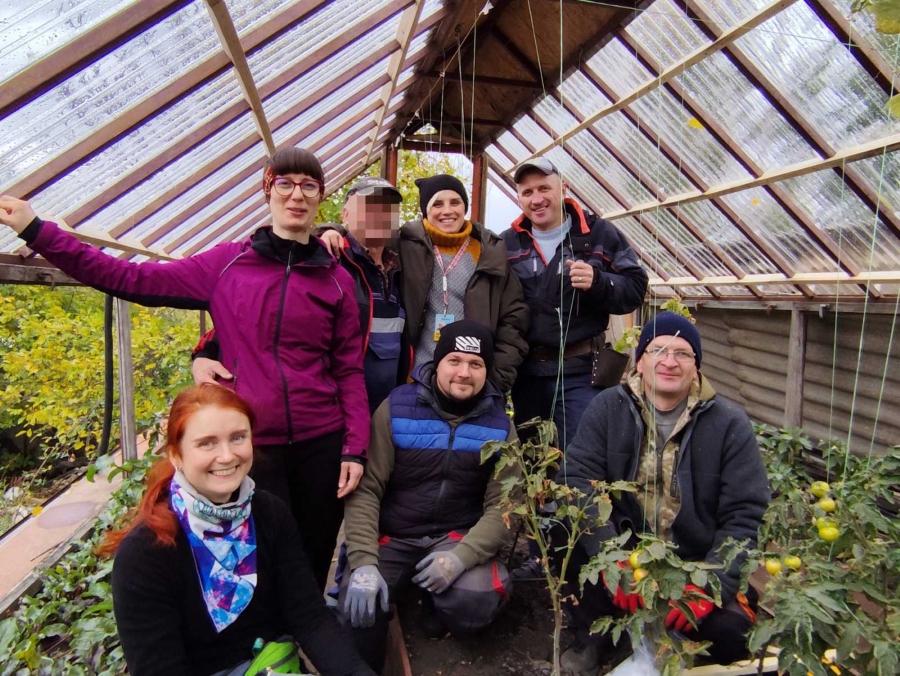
column 288, row 326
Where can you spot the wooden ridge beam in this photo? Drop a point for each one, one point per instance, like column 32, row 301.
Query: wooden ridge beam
column 486, row 80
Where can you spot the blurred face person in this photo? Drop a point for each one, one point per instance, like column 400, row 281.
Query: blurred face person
column 371, row 219
column 216, row 451
column 669, row 368
column 460, row 375
column 541, row 198
column 294, row 203
column 447, row 211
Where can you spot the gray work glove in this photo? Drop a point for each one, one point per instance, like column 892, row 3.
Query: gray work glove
column 438, row 571
column 362, row 591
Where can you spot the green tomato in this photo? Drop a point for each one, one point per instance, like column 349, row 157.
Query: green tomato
column 829, row 533
column 820, row 489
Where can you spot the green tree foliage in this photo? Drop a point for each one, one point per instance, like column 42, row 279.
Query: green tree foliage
column 410, row 166
column 52, row 367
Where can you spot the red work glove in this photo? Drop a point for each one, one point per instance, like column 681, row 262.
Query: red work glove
column 700, row 607
column 622, row 599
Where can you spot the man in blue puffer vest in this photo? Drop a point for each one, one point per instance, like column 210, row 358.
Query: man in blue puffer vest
column 427, row 511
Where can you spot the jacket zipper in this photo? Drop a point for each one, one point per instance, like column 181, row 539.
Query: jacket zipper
column 444, row 468
column 362, row 276
column 284, row 384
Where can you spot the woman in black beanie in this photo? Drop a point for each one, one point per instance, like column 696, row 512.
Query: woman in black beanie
column 455, row 269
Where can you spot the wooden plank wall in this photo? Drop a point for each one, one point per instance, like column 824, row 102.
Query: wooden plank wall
column 745, row 354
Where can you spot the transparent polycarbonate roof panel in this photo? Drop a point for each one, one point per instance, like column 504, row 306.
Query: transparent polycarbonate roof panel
column 311, row 80
column 196, row 193
column 531, row 132
column 650, row 248
column 553, row 115
column 351, row 136
column 124, row 207
column 883, row 174
column 581, row 95
column 610, row 169
column 619, row 68
column 417, row 45
column 843, row 289
column 513, row 146
column 10, row 241
column 819, row 75
column 104, row 90
column 730, row 290
column 718, row 228
column 32, row 29
column 335, row 18
column 887, row 45
column 499, row 158
column 221, row 200
column 429, row 8
column 778, row 290
column 755, row 125
column 665, row 223
column 174, row 124
column 252, row 217
column 325, row 109
column 759, row 210
column 840, row 213
column 597, row 199
column 249, row 14
column 728, row 13
column 662, row 113
column 666, row 33
column 658, row 291
column 406, row 76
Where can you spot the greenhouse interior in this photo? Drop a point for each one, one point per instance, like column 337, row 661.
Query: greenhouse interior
column 745, row 149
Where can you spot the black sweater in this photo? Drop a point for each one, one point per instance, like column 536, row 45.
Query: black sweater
column 165, row 628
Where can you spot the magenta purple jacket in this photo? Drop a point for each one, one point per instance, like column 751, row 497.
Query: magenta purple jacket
column 285, row 316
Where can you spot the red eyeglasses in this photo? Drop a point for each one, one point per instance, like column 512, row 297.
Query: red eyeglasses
column 310, row 187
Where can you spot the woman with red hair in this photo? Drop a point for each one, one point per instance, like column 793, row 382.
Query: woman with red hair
column 209, row 566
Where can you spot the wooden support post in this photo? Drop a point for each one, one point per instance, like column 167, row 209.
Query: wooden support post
column 389, row 163
column 793, row 396
column 479, row 187
column 202, row 323
column 127, row 424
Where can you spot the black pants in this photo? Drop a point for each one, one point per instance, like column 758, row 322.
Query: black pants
column 725, row 627
column 305, row 475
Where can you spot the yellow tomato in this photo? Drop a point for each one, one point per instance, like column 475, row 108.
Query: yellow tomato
column 819, row 489
column 829, row 533
column 635, row 558
column 827, row 505
column 792, row 562
column 824, row 521
column 640, row 574
column 773, row 566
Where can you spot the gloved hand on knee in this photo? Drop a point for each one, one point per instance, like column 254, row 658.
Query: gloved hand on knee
column 438, row 571
column 362, row 592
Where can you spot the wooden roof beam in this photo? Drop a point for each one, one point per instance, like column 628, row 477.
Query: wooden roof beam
column 486, row 80
column 734, row 33
column 405, row 31
column 231, row 43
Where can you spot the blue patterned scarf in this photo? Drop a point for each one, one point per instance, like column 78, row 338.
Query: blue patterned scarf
column 223, row 541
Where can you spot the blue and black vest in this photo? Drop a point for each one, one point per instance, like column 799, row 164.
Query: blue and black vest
column 438, row 482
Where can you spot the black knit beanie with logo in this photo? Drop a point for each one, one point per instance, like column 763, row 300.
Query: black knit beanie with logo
column 466, row 336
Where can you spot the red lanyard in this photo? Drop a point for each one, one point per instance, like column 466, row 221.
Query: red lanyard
column 446, row 271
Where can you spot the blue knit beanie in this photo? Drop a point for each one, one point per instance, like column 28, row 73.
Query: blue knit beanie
column 670, row 324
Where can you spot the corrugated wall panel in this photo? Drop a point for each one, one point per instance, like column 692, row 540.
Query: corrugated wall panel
column 745, row 356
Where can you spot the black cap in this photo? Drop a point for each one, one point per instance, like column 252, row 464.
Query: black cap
column 670, row 324
column 541, row 164
column 466, row 336
column 372, row 185
column 431, row 186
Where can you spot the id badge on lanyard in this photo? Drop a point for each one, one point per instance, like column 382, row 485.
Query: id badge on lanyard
column 442, row 319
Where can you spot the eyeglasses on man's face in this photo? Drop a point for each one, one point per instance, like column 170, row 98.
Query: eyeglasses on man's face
column 310, row 187
column 661, row 354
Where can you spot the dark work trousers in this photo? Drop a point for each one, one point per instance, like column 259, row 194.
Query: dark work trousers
column 725, row 627
column 472, row 602
column 533, row 395
column 305, row 475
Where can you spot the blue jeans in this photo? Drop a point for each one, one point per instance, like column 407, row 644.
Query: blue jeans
column 533, row 396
